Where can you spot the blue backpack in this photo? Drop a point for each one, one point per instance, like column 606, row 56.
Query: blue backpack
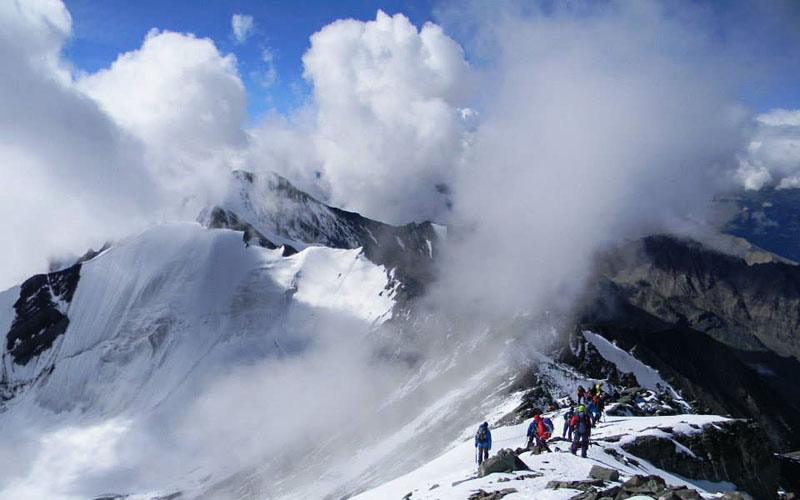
column 548, row 425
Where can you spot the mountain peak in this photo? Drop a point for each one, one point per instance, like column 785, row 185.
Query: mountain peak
column 271, row 209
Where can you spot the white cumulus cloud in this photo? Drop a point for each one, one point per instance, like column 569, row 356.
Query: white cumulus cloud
column 71, row 177
column 93, row 160
column 389, row 130
column 774, row 153
column 183, row 99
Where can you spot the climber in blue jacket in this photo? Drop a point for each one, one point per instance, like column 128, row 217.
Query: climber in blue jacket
column 483, row 442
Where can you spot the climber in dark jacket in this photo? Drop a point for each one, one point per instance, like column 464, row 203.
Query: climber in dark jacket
column 581, row 394
column 483, row 442
column 567, row 427
column 582, row 426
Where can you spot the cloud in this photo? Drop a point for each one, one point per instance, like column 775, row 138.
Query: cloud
column 184, row 100
column 285, row 145
column 773, row 157
column 780, row 118
column 55, row 144
column 389, row 130
column 242, row 26
column 98, row 159
column 64, row 457
column 601, row 124
column 270, row 74
column 598, row 123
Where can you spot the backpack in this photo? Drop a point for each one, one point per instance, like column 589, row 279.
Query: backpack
column 584, row 423
column 548, row 425
column 482, row 436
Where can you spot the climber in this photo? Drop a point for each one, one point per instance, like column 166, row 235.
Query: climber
column 600, row 403
column 539, row 431
column 598, row 389
column 582, row 425
column 581, row 394
column 567, row 427
column 483, row 442
column 591, row 409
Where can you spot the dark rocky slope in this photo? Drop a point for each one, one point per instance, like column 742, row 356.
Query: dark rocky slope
column 715, row 377
column 41, row 313
column 731, row 451
column 748, row 307
column 713, row 325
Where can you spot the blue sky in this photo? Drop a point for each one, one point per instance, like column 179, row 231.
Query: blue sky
column 103, row 29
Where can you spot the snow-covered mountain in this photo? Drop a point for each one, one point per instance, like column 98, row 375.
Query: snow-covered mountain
column 274, row 349
column 271, row 210
column 200, row 354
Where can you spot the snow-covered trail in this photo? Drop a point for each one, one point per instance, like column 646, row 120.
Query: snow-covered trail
column 452, row 475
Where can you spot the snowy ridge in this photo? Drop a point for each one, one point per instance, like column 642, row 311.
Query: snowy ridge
column 647, row 377
column 444, row 478
column 287, row 215
column 180, row 291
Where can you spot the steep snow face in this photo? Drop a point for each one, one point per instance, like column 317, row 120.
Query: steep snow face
column 626, row 363
column 171, row 322
column 180, row 290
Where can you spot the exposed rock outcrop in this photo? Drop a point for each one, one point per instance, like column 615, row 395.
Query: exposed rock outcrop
column 493, row 495
column 585, row 358
column 504, row 461
column 651, row 486
column 639, row 401
column 219, row 218
column 604, row 473
column 41, row 313
column 789, row 464
column 732, row 451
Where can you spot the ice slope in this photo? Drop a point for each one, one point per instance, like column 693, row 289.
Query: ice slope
column 181, row 284
column 452, row 475
column 162, row 317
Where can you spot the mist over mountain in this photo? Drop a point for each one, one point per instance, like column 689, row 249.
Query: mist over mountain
column 462, row 222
